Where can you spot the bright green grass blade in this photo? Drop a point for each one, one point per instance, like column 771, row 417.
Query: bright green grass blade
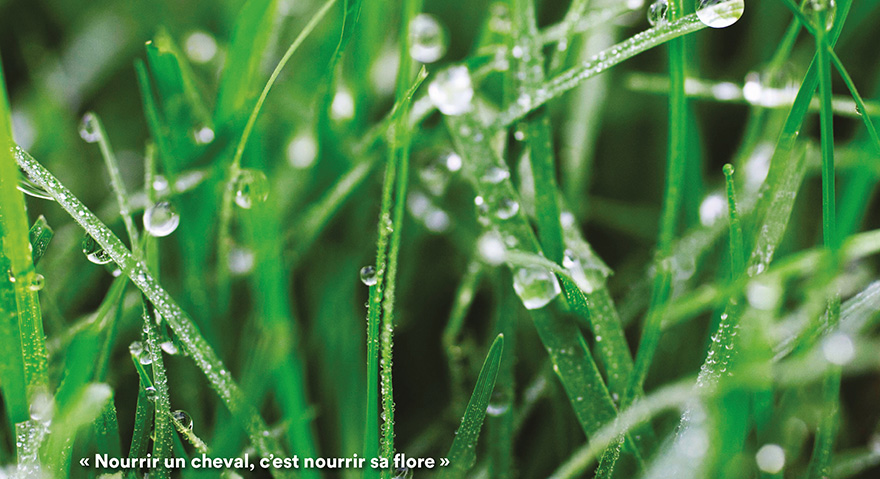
column 162, row 427
column 604, row 60
column 40, row 236
column 250, row 39
column 185, row 330
column 82, row 409
column 501, row 409
column 463, row 454
column 464, row 297
column 25, row 310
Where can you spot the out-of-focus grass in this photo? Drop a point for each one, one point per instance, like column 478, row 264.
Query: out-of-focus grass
column 661, row 316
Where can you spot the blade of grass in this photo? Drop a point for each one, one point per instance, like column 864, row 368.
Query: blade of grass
column 464, row 297
column 185, row 330
column 462, row 454
column 40, row 235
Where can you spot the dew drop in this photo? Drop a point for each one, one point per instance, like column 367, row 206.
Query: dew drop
column 713, row 207
column 145, row 357
column 169, row 348
column 453, row 162
column 368, row 275
column 342, row 106
column 241, row 261
column 136, row 348
column 251, row 187
column 657, row 13
column 302, row 151
column 452, row 91
column 150, row 392
column 770, row 458
column 160, row 184
column 161, row 219
column 815, row 9
column 719, row 13
column 496, row 174
column 36, row 283
column 491, row 248
column 183, row 418
column 203, row 135
column 200, row 47
column 427, row 39
column 93, row 251
column 88, row 128
column 507, row 208
column 497, row 409
column 42, row 407
column 535, row 286
column 838, row 349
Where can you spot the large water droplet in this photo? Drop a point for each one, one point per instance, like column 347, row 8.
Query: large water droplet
column 88, row 128
column 150, row 392
column 302, row 151
column 427, row 39
column 136, row 348
column 719, row 13
column 770, row 458
column 145, row 357
column 452, row 91
column 251, row 187
column 535, row 286
column 815, row 9
column 36, row 283
column 169, row 348
column 368, row 275
column 657, row 13
column 838, row 349
column 183, row 418
column 161, row 219
column 93, row 251
column 200, row 47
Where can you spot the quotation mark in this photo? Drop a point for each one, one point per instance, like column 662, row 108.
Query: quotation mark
column 84, row 462
column 444, row 462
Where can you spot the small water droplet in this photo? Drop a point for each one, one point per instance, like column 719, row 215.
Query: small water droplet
column 497, row 409
column 241, row 261
column 427, row 39
column 535, row 286
column 302, row 151
column 145, row 357
column 93, row 251
column 37, row 281
column 657, row 13
column 150, row 392
column 161, row 219
column 368, row 275
column 342, row 107
column 770, row 458
column 169, row 348
column 452, row 91
column 203, row 135
column 200, row 47
column 453, row 162
column 838, row 349
column 88, row 128
column 251, row 187
column 183, row 418
column 496, row 174
column 719, row 13
column 713, row 207
column 492, row 248
column 507, row 208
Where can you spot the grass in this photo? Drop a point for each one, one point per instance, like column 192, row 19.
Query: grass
column 611, row 257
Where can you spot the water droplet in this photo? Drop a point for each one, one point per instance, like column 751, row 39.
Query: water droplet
column 492, row 248
column 145, row 357
column 770, row 458
column 453, row 162
column 497, row 409
column 241, row 261
column 427, row 39
column 88, row 128
column 342, row 107
column 452, row 91
column 150, row 392
column 183, row 418
column 496, row 174
column 763, row 295
column 368, row 275
column 719, row 13
column 37, row 281
column 838, row 349
column 657, row 13
column 160, row 184
column 403, row 473
column 302, row 151
column 203, row 135
column 251, row 187
column 815, row 9
column 713, row 207
column 437, row 221
column 42, row 407
column 200, row 47
column 161, row 219
column 507, row 208
column 93, row 251
column 136, row 348
column 535, row 286
column 169, row 348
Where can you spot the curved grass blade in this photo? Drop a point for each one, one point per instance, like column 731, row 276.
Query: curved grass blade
column 40, row 235
column 183, row 327
column 462, row 454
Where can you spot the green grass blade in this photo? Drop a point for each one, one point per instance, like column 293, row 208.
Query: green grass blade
column 464, row 297
column 162, row 427
column 462, row 454
column 250, row 38
column 194, row 344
